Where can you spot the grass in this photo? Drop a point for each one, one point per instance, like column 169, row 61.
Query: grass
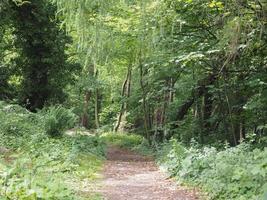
column 132, row 142
column 48, row 172
column 236, row 173
column 34, row 165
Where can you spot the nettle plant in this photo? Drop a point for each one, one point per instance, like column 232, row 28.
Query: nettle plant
column 234, row 173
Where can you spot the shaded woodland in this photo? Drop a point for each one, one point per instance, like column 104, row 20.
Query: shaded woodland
column 189, row 71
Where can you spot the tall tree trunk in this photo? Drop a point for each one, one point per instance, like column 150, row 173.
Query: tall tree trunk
column 200, row 119
column 198, row 91
column 242, row 131
column 85, row 117
column 172, row 93
column 144, row 103
column 207, row 110
column 97, row 109
column 125, row 93
column 96, row 103
column 231, row 116
column 87, row 98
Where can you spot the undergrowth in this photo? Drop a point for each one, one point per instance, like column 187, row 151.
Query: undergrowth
column 235, row 173
column 34, row 165
column 128, row 141
column 231, row 173
column 38, row 164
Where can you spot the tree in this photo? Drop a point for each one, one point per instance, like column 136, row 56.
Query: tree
column 42, row 59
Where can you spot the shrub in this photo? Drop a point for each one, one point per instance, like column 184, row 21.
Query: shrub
column 17, row 124
column 129, row 141
column 45, row 170
column 57, row 120
column 122, row 139
column 236, row 173
column 36, row 166
column 88, row 144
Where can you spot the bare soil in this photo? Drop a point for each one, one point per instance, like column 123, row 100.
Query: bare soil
column 130, row 176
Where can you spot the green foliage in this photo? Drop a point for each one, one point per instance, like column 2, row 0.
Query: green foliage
column 17, row 124
column 35, row 166
column 198, row 70
column 45, row 170
column 233, row 173
column 57, row 120
column 34, row 67
column 124, row 140
column 129, row 141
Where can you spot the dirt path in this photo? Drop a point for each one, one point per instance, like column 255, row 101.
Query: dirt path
column 129, row 176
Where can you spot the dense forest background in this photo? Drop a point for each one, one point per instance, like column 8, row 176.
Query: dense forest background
column 194, row 71
column 189, row 69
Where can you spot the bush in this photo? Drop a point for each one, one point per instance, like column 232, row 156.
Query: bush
column 122, row 139
column 45, row 170
column 236, row 173
column 57, row 120
column 17, row 124
column 129, row 141
column 36, row 166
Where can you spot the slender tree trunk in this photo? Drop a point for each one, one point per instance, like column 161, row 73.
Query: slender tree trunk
column 126, row 89
column 172, row 93
column 96, row 109
column 96, row 103
column 242, row 131
column 144, row 103
column 200, row 120
column 229, row 107
column 198, row 91
column 85, row 117
column 87, row 98
column 207, row 110
column 129, row 83
column 167, row 99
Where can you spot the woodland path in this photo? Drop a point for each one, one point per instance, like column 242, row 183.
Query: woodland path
column 130, row 176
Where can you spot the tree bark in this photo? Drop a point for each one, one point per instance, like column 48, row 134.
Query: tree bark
column 96, row 109
column 207, row 110
column 198, row 91
column 96, row 103
column 144, row 103
column 126, row 89
column 85, row 117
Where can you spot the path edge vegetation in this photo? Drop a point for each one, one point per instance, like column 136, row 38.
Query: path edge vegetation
column 239, row 172
column 38, row 161
column 187, row 75
column 218, row 173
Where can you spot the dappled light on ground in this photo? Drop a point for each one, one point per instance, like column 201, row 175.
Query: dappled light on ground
column 130, row 176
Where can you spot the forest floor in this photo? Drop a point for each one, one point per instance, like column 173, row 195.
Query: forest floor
column 130, row 176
